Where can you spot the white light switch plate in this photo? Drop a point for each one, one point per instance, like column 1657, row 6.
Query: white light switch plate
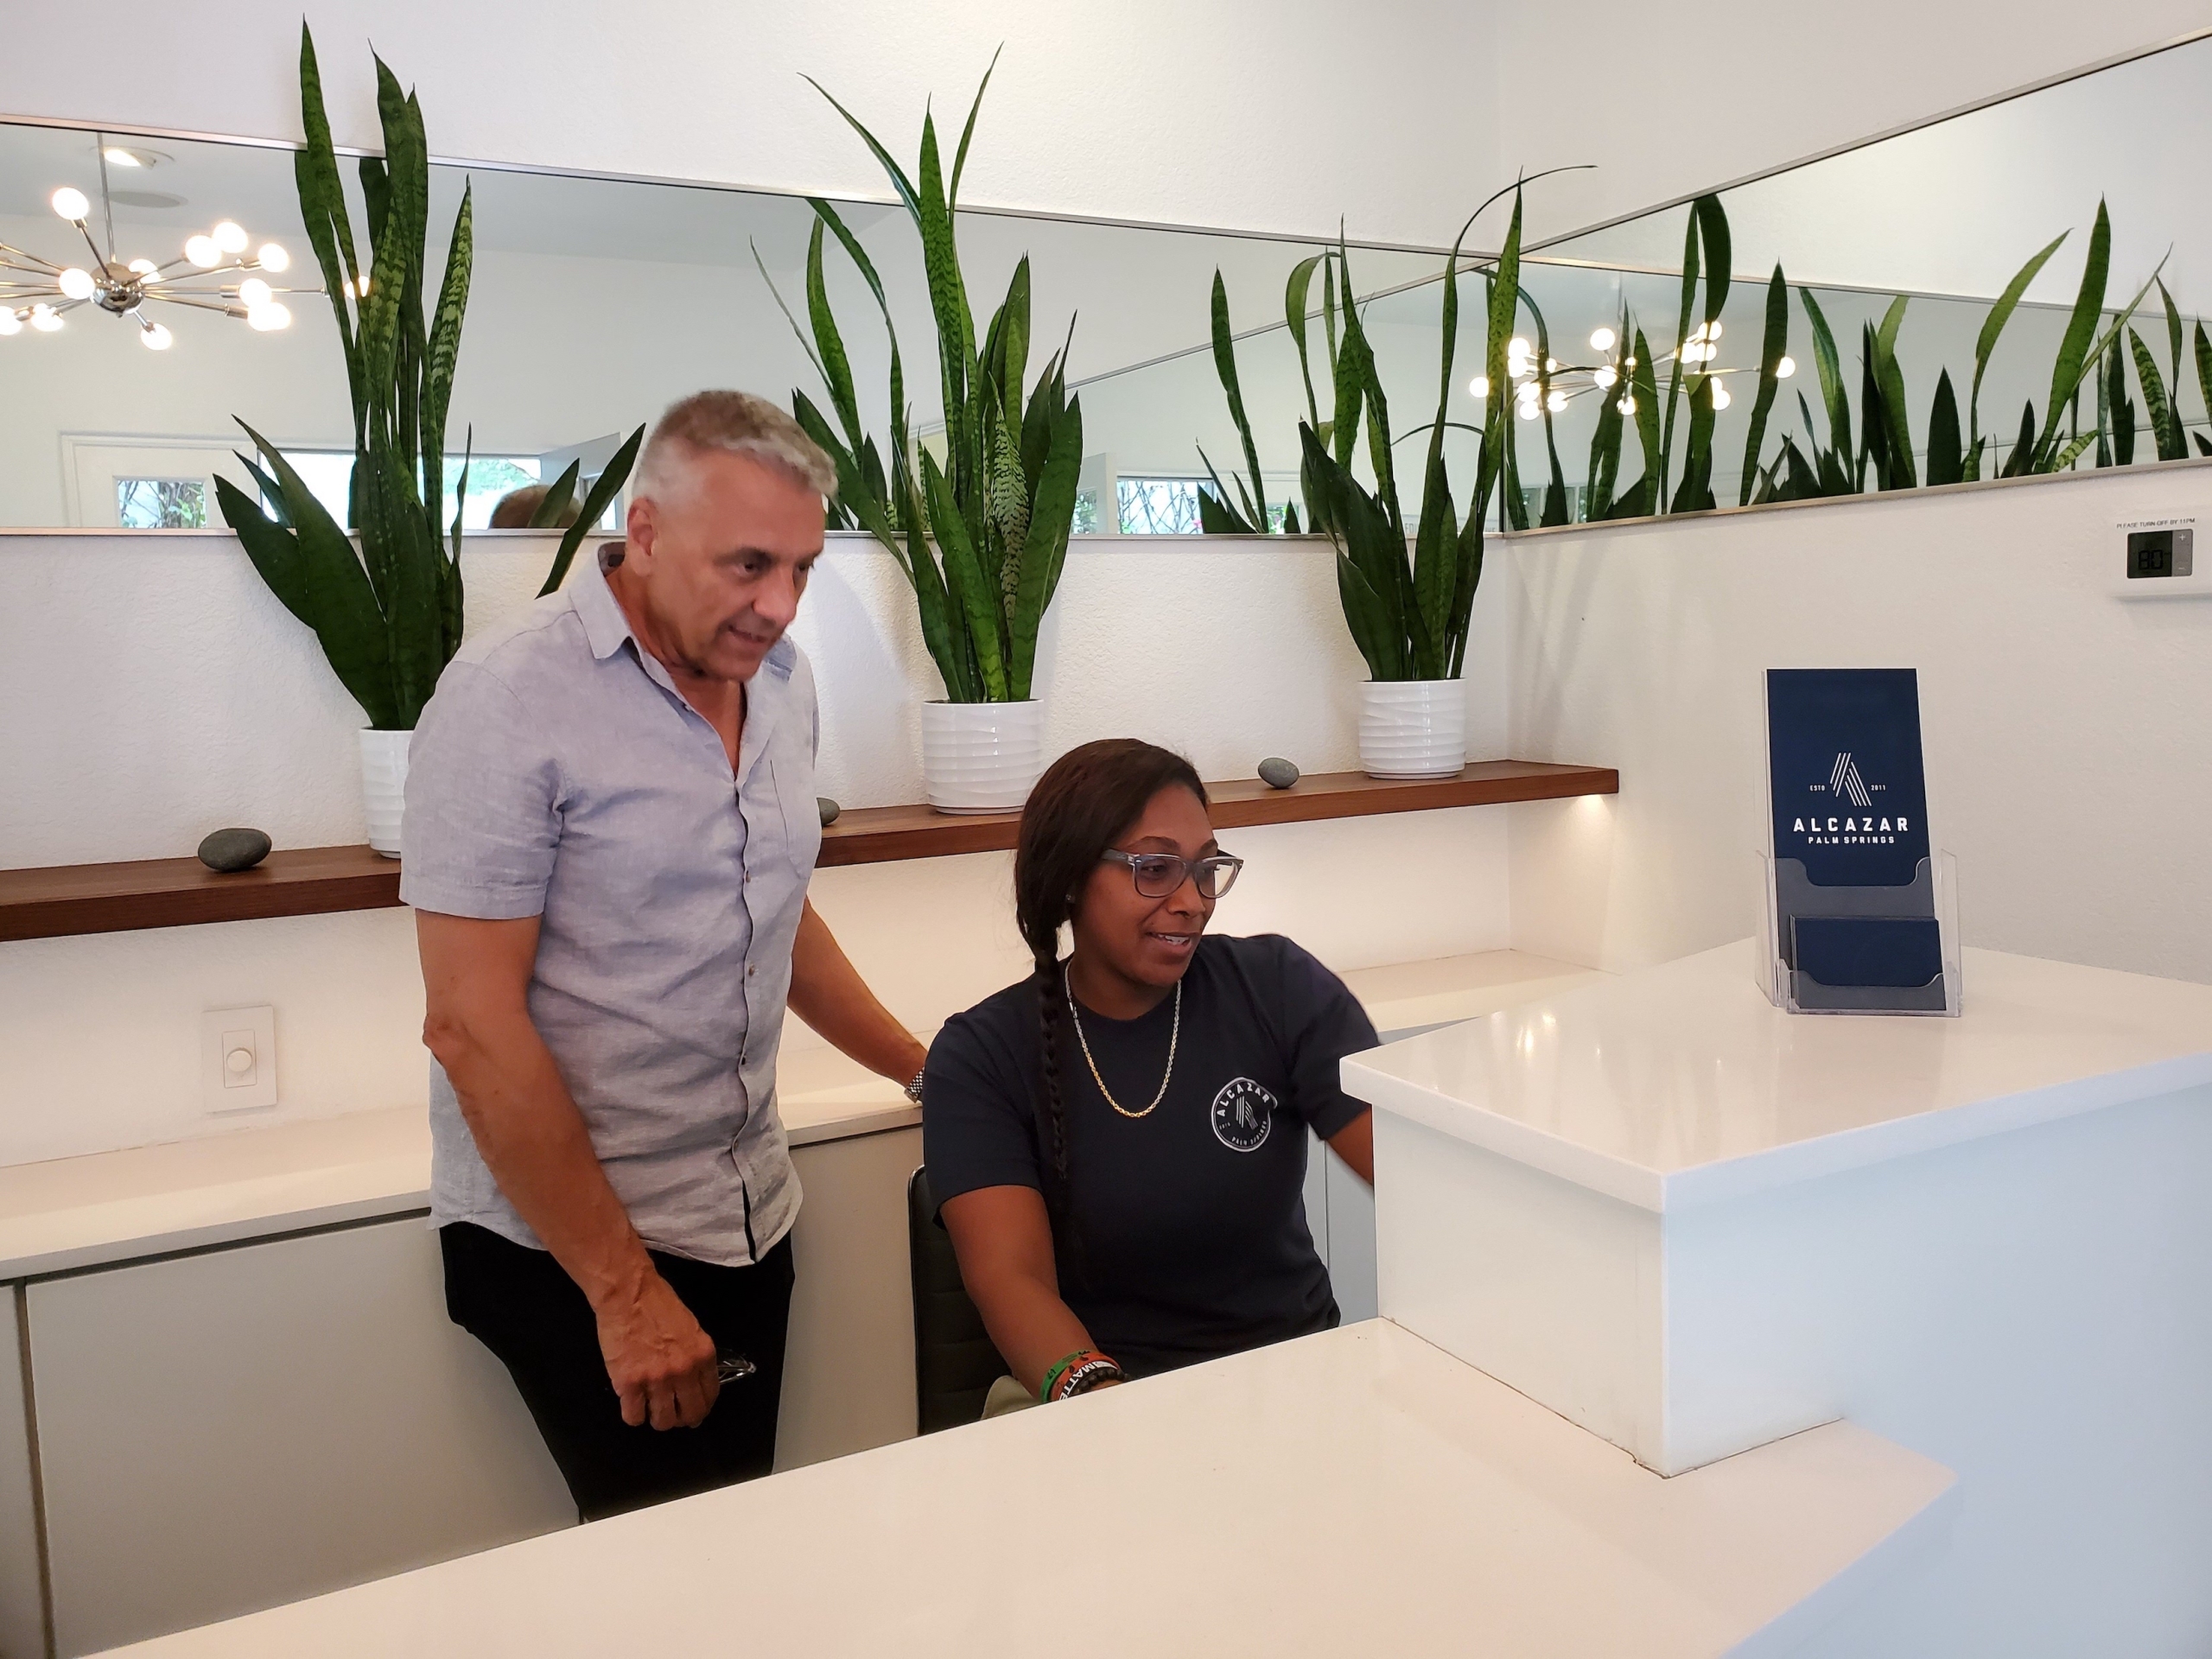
column 238, row 1058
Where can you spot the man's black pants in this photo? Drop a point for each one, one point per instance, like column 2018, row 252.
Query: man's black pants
column 520, row 1304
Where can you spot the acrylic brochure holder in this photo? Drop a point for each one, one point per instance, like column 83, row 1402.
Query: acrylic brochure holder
column 1797, row 911
column 1861, row 906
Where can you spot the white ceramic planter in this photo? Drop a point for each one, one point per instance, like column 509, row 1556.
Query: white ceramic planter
column 1412, row 728
column 981, row 757
column 384, row 786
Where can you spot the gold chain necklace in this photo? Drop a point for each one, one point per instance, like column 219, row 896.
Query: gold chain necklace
column 1174, row 1031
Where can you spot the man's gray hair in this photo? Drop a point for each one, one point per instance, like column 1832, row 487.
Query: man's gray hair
column 738, row 423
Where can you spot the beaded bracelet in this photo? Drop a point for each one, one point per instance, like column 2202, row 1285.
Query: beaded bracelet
column 1053, row 1377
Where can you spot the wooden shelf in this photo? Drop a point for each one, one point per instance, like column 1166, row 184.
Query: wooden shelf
column 73, row 898
column 76, row 899
column 871, row 835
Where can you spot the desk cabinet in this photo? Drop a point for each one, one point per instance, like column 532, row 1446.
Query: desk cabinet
column 223, row 1432
column 22, row 1619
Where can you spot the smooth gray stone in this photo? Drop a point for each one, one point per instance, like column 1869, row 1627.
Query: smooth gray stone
column 1277, row 773
column 234, row 849
column 829, row 809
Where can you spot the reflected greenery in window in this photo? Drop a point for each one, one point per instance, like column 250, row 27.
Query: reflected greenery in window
column 161, row 503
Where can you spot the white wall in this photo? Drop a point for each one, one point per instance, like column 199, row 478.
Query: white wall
column 1669, row 100
column 2070, row 760
column 162, row 693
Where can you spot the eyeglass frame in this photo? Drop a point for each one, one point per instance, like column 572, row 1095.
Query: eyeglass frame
column 1187, row 872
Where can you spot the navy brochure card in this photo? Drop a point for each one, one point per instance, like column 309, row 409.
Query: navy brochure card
column 1903, row 952
column 1849, row 798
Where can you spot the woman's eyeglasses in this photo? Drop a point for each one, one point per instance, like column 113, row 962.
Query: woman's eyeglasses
column 1159, row 875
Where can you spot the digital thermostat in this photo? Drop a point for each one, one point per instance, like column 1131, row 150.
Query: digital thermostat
column 2157, row 560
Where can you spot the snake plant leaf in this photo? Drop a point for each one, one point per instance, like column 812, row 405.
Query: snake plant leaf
column 1992, row 325
column 1603, row 469
column 1014, row 340
column 1946, row 455
column 2123, row 416
column 2023, row 452
column 601, row 496
column 968, row 130
column 1829, row 366
column 1047, row 403
column 444, row 353
column 449, row 585
column 1643, row 383
column 836, row 366
column 897, row 175
column 973, row 596
column 828, row 215
column 1771, row 352
column 1224, row 364
column 1890, row 377
column 272, row 497
column 956, row 328
column 559, row 497
column 1694, row 493
column 321, row 583
column 1296, row 304
column 2165, row 423
column 1689, row 307
column 1713, row 231
column 1045, row 551
column 2074, row 352
column 1216, row 516
column 1467, row 579
column 1435, row 568
column 2202, row 345
column 1365, row 620
column 2072, row 452
column 1503, row 306
column 1361, row 357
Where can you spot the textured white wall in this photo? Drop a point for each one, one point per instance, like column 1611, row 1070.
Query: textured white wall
column 161, row 693
column 2070, row 760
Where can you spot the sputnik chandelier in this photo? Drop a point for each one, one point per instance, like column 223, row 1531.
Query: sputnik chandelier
column 212, row 274
column 1557, row 383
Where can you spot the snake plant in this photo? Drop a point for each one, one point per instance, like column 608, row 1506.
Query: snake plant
column 980, row 534
column 388, row 617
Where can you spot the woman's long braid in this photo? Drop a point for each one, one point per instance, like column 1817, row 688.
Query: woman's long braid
column 1051, row 1010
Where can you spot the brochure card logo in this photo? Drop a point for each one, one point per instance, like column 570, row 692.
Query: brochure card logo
column 1849, row 795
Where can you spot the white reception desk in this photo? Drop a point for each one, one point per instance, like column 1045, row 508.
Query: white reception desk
column 1694, row 1224
column 1879, row 1375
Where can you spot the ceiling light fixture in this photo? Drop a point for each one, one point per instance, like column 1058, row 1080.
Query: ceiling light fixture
column 214, row 273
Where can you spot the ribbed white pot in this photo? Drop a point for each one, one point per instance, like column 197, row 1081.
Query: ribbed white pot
column 384, row 786
column 981, row 757
column 1412, row 728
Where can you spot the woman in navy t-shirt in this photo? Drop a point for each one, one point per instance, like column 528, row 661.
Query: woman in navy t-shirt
column 1117, row 1143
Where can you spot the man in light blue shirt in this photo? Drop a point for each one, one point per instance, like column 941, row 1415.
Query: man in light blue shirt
column 611, row 823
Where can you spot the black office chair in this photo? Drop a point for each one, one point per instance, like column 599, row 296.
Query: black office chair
column 955, row 1363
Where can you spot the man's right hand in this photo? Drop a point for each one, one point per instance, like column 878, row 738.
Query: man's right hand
column 660, row 1360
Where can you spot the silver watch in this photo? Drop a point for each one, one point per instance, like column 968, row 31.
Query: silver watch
column 914, row 1087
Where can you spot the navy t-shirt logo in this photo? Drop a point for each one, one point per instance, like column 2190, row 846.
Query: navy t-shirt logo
column 1243, row 1112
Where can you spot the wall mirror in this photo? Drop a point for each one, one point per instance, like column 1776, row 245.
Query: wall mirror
column 1945, row 215
column 594, row 303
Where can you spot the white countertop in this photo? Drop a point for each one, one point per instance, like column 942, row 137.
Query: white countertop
column 1682, row 1084
column 252, row 1183
column 1353, row 1493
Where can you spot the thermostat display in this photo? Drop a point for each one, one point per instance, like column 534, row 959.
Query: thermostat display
column 2155, row 555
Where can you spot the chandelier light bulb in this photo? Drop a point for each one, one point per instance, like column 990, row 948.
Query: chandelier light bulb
column 1602, row 340
column 1551, row 366
column 230, row 237
column 1557, row 402
column 1517, row 346
column 155, row 337
column 1605, row 376
column 1479, row 386
column 267, row 318
column 70, row 204
column 76, row 283
column 1520, row 368
column 203, row 251
column 1528, row 409
column 1627, row 405
column 254, row 292
column 46, row 319
column 273, row 256
column 144, row 268
column 11, row 322
column 1785, row 368
column 1712, row 330
column 1719, row 396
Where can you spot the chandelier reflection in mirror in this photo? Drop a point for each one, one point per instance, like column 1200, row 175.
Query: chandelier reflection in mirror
column 1558, row 383
column 212, row 274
